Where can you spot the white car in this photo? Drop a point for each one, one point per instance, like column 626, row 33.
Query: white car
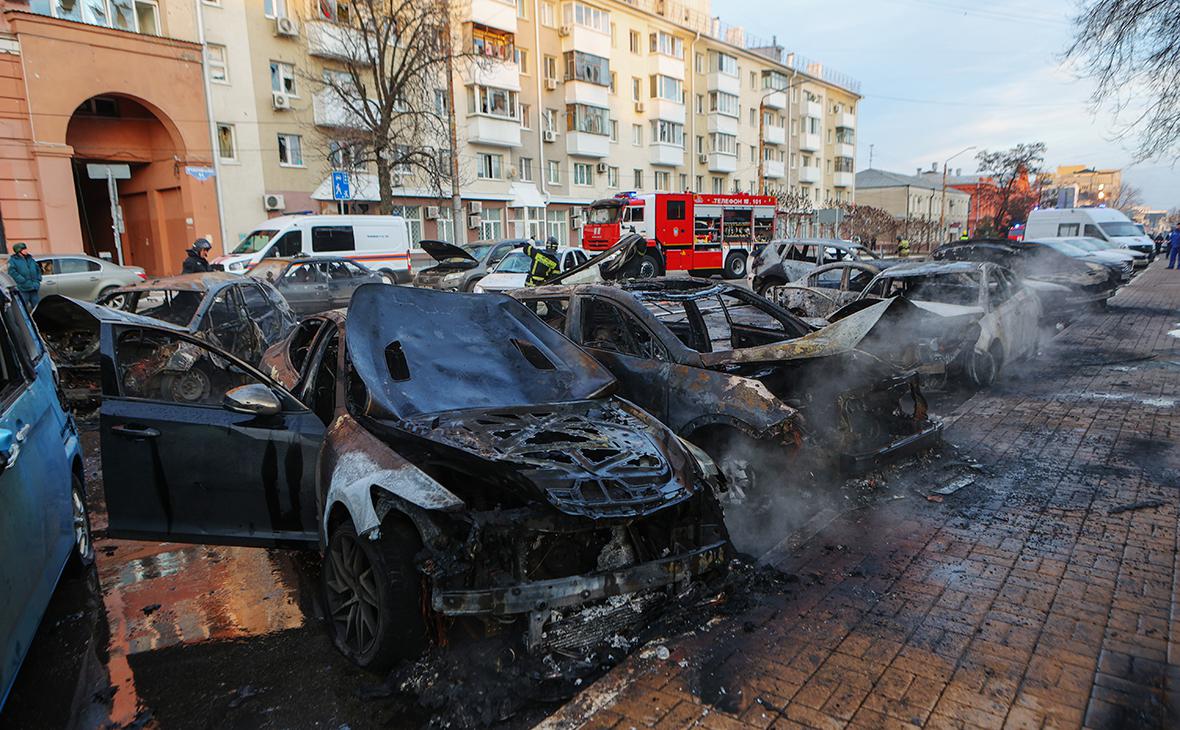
column 1108, row 251
column 513, row 270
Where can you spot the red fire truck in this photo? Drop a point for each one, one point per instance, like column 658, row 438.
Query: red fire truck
column 703, row 234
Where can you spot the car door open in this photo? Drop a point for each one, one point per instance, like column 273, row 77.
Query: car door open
column 199, row 447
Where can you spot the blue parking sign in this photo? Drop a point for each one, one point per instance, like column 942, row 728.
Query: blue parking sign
column 340, row 186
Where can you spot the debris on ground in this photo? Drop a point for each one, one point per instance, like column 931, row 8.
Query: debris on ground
column 955, row 486
column 1146, row 504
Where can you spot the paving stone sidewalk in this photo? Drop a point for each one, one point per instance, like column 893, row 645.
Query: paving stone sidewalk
column 1044, row 594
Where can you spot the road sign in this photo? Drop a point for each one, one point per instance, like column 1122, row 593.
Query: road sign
column 341, row 190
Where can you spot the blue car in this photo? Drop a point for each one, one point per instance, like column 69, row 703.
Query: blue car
column 43, row 520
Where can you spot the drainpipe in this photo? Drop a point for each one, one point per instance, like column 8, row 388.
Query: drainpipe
column 213, row 149
column 692, row 113
column 541, row 172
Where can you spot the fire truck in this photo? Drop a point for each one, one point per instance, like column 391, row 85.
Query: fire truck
column 701, row 234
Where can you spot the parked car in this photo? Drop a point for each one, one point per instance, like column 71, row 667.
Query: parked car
column 43, row 520
column 726, row 369
column 1107, row 224
column 381, row 242
column 989, row 316
column 315, row 284
column 513, row 270
column 1105, row 251
column 84, row 277
column 787, row 260
column 460, row 268
column 482, row 471
column 1065, row 284
column 240, row 314
column 823, row 290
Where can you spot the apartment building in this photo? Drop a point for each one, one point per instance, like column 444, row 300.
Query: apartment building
column 920, row 198
column 567, row 102
column 1084, row 185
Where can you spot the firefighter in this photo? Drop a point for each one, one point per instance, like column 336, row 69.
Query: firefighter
column 903, row 247
column 544, row 261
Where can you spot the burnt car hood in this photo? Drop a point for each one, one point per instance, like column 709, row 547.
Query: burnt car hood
column 835, row 339
column 441, row 251
column 607, row 265
column 71, row 327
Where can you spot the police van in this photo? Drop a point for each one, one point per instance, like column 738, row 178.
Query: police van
column 1106, row 224
column 380, row 242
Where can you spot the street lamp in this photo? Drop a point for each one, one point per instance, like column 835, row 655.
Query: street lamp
column 942, row 211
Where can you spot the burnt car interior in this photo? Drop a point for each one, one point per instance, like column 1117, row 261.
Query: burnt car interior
column 164, row 367
column 174, row 306
column 949, row 288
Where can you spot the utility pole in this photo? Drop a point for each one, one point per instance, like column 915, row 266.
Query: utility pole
column 458, row 223
column 870, row 156
column 942, row 211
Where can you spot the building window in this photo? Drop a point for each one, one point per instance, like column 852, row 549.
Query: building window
column 725, row 144
column 683, row 181
column 555, row 225
column 586, row 16
column 583, row 174
column 666, row 44
column 525, row 116
column 666, row 87
column 548, row 15
column 227, row 144
column 592, row 69
column 282, row 78
column 636, row 88
column 700, row 183
column 147, row 16
column 723, row 63
column 549, row 120
column 774, row 80
column 718, row 185
column 274, row 8
column 634, row 37
column 522, row 60
column 722, row 103
column 215, row 61
column 489, row 166
column 446, row 226
column 343, row 155
column 612, row 177
column 637, row 178
column 492, row 43
column 588, row 119
column 552, row 172
column 526, row 169
column 637, row 135
column 290, row 150
column 550, row 68
column 614, row 83
column 614, row 131
column 699, row 63
column 492, row 102
column 664, row 132
column 440, row 102
column 522, row 9
column 663, row 181
column 413, row 216
column 491, row 224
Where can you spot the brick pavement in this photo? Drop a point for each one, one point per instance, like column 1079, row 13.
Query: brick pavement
column 1026, row 600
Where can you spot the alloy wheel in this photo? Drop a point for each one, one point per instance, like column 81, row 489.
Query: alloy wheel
column 353, row 602
column 82, row 537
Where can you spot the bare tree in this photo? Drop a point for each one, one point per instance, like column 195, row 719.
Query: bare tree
column 1127, row 198
column 794, row 210
column 388, row 91
column 1129, row 47
column 1010, row 197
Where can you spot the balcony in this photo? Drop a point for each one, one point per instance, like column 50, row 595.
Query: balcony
column 774, row 169
column 809, row 142
column 329, row 111
column 723, row 123
column 722, row 162
column 776, row 100
column 667, row 66
column 583, row 92
column 492, row 72
column 329, row 40
column 809, row 174
column 667, row 155
column 843, row 149
column 499, row 14
column 846, row 119
column 774, row 135
column 813, row 109
column 843, row 179
column 587, row 40
column 494, row 131
column 669, row 111
column 585, row 144
column 717, row 81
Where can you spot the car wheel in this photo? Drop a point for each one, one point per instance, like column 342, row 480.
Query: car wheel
column 371, row 590
column 115, row 303
column 735, row 266
column 191, row 386
column 83, row 555
column 469, row 286
column 983, row 367
column 389, row 277
column 648, row 267
column 767, row 283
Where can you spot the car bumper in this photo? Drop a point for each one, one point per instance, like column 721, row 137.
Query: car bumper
column 926, row 438
column 547, row 595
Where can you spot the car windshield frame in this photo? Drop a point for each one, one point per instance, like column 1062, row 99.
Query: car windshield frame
column 131, row 300
column 263, row 236
column 967, row 279
column 604, row 215
column 502, row 266
column 259, row 270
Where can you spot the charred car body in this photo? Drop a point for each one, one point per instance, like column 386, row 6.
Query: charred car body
column 787, row 260
column 721, row 365
column 487, row 473
column 823, row 290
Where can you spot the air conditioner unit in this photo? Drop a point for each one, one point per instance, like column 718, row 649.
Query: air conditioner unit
column 473, row 221
column 551, row 84
column 475, row 206
column 549, row 135
column 286, row 27
column 270, row 201
column 566, row 30
column 600, row 168
column 280, row 100
column 576, row 221
column 512, row 172
column 702, row 158
column 639, row 107
column 432, row 212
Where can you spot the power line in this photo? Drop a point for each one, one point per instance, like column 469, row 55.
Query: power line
column 942, row 102
column 988, row 13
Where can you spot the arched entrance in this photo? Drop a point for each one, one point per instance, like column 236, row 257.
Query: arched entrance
column 121, row 137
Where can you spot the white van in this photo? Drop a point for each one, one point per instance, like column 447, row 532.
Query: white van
column 1107, row 224
column 380, row 242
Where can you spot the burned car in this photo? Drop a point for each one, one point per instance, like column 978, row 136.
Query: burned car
column 727, row 369
column 483, row 474
column 823, row 290
column 789, row 259
column 460, row 268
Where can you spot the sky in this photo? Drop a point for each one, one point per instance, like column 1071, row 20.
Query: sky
column 941, row 75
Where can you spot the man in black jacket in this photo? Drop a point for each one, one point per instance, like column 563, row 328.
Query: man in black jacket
column 197, row 260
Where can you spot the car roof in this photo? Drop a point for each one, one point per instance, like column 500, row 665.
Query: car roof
column 926, row 268
column 207, row 281
column 837, row 242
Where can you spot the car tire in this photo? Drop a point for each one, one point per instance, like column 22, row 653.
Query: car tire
column 115, row 304
column 372, row 596
column 389, row 276
column 984, row 367
column 82, row 556
column 469, row 286
column 736, row 266
column 647, row 267
column 767, row 283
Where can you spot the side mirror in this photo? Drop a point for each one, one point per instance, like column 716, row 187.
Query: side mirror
column 254, row 399
column 8, row 449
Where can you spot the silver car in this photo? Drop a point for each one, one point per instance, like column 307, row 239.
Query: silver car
column 84, row 277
